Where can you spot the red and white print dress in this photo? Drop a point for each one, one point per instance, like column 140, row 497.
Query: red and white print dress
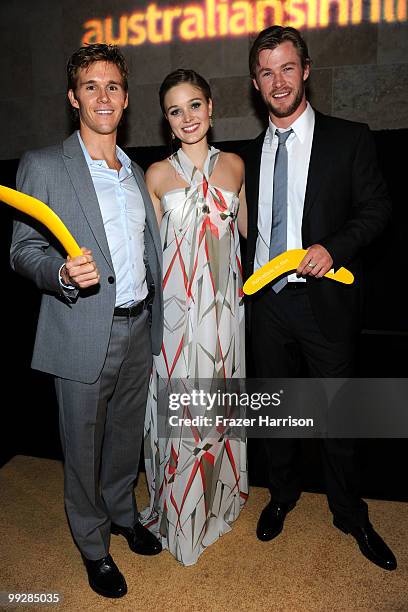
column 198, row 482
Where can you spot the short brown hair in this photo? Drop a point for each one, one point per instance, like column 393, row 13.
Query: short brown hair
column 273, row 36
column 87, row 55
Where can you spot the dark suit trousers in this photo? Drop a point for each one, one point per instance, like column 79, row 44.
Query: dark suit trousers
column 284, row 331
column 101, row 427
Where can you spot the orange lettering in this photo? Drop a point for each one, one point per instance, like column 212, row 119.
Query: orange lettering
column 135, row 25
column 110, row 39
column 210, row 18
column 192, row 25
column 261, row 7
column 168, row 17
column 312, row 14
column 356, row 12
column 375, row 12
column 342, row 9
column 402, row 10
column 152, row 16
column 210, row 9
column 389, row 10
column 241, row 21
column 95, row 34
column 295, row 14
column 222, row 10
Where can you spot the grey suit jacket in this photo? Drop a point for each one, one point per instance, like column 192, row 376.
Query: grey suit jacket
column 72, row 336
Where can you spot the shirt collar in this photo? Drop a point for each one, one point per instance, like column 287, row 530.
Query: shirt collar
column 122, row 157
column 301, row 126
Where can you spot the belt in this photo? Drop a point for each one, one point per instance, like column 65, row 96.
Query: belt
column 132, row 311
column 295, row 286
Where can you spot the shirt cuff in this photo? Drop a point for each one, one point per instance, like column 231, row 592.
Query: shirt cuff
column 61, row 282
column 68, row 291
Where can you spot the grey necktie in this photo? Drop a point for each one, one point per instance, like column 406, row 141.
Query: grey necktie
column 278, row 240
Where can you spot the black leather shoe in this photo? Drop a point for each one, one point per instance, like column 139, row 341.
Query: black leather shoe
column 271, row 521
column 105, row 578
column 371, row 544
column 140, row 539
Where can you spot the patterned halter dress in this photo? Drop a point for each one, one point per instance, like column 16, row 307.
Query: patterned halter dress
column 197, row 481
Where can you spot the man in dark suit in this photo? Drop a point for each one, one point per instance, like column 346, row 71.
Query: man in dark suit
column 101, row 313
column 312, row 182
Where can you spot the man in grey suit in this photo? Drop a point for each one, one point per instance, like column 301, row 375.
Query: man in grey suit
column 101, row 313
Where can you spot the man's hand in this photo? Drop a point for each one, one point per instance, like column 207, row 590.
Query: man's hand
column 316, row 262
column 80, row 271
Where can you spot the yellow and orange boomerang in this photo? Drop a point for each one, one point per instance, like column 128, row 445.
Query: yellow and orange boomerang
column 43, row 213
column 284, row 264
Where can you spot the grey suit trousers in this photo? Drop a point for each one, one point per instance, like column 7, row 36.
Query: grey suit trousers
column 101, row 426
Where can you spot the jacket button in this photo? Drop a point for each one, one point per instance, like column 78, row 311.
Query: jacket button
column 111, row 280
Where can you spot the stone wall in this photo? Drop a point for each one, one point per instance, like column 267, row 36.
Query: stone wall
column 359, row 72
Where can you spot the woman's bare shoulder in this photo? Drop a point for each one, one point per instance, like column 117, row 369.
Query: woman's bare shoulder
column 232, row 159
column 234, row 164
column 158, row 171
column 158, row 167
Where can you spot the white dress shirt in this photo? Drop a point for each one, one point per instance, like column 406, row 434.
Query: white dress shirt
column 299, row 146
column 124, row 219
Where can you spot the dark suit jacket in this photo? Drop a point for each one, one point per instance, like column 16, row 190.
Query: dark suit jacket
column 346, row 206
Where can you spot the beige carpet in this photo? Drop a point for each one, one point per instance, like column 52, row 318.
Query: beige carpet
column 310, row 567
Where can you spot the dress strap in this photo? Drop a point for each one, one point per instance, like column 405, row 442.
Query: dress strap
column 187, row 170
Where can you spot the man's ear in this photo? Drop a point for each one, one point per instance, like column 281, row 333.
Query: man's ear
column 72, row 99
column 255, row 84
column 306, row 72
column 125, row 105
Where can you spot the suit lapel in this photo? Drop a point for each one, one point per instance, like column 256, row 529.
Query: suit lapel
column 79, row 174
column 252, row 172
column 319, row 164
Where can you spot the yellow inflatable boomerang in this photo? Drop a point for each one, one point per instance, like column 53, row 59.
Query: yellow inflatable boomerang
column 43, row 213
column 284, row 264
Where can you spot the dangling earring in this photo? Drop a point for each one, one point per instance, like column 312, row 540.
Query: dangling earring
column 211, row 121
column 173, row 136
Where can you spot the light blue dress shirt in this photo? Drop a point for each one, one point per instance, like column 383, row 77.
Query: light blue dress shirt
column 124, row 219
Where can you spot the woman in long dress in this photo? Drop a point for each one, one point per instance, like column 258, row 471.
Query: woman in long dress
column 197, row 480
